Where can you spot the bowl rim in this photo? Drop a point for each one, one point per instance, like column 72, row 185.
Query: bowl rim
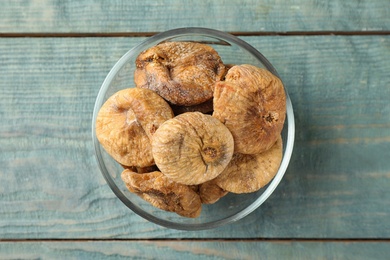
column 199, row 31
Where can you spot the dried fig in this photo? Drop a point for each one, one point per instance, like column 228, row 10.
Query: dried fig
column 210, row 192
column 192, row 148
column 183, row 73
column 126, row 122
column 163, row 193
column 249, row 172
column 251, row 102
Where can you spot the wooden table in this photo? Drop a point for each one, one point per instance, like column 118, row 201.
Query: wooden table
column 334, row 201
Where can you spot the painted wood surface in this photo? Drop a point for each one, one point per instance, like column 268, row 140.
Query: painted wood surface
column 334, row 201
column 337, row 185
column 228, row 15
column 195, row 250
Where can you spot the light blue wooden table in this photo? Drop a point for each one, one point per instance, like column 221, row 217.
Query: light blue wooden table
column 334, row 201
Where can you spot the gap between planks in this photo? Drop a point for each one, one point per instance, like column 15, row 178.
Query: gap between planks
column 276, row 240
column 148, row 34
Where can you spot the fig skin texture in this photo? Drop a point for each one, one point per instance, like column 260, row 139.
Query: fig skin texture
column 250, row 172
column 251, row 102
column 192, row 148
column 163, row 193
column 183, row 73
column 126, row 122
column 210, row 192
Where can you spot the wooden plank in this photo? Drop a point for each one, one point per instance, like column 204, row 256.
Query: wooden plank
column 155, row 16
column 195, row 250
column 336, row 185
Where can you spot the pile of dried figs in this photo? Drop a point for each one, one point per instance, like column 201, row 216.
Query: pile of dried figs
column 194, row 129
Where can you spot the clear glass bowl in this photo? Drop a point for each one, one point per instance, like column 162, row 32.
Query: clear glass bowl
column 228, row 209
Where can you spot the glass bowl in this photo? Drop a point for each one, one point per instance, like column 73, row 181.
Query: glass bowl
column 231, row 207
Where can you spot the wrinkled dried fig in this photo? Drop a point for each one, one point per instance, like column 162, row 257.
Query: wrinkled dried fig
column 183, row 73
column 192, row 148
column 163, row 193
column 210, row 192
column 249, row 172
column 126, row 122
column 251, row 102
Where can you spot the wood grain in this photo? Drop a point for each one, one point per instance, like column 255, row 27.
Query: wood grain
column 154, row 16
column 337, row 185
column 195, row 250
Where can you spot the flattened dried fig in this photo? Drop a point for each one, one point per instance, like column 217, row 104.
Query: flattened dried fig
column 210, row 192
column 183, row 73
column 249, row 172
column 192, row 148
column 251, row 102
column 163, row 193
column 126, row 122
